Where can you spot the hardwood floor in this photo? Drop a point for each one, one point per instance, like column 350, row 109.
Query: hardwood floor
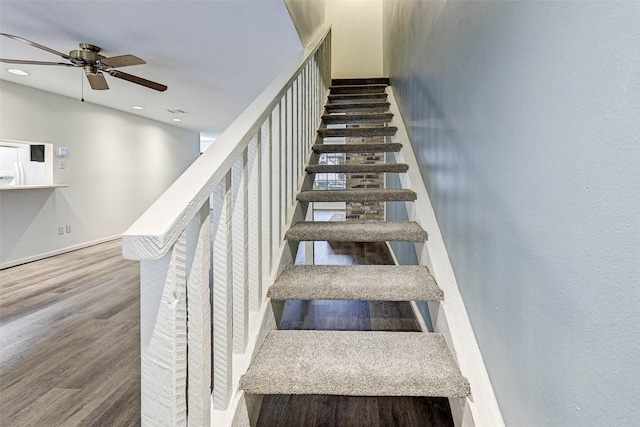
column 70, row 340
column 349, row 411
column 70, row 346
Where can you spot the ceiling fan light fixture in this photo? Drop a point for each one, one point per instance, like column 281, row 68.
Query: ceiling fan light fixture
column 94, row 64
column 18, row 72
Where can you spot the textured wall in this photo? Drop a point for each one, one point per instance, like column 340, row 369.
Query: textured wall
column 525, row 119
column 118, row 165
column 307, row 16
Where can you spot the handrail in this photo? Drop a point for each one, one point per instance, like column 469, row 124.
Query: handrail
column 205, row 267
column 159, row 227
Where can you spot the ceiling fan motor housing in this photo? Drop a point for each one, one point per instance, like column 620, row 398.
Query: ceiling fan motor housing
column 88, row 53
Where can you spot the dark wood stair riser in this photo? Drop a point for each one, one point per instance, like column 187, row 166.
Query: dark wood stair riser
column 360, row 195
column 358, row 132
column 361, row 81
column 357, row 118
column 344, row 168
column 337, row 90
column 380, row 97
column 386, row 147
column 378, row 107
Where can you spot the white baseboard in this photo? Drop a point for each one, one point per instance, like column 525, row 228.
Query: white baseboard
column 57, row 252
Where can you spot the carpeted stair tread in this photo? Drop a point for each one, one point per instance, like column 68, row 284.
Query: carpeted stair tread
column 356, row 132
column 358, row 106
column 344, row 89
column 357, row 118
column 354, row 364
column 385, row 147
column 350, row 97
column 356, row 282
column 358, row 195
column 361, row 81
column 344, row 168
column 357, row 231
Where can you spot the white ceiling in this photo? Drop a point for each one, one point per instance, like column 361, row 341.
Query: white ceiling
column 215, row 56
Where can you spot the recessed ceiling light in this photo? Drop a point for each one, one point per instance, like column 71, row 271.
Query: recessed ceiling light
column 177, row 120
column 18, row 72
column 137, row 108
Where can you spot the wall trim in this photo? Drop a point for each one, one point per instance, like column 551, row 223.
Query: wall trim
column 61, row 251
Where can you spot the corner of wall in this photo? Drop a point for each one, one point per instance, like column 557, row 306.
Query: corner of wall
column 308, row 16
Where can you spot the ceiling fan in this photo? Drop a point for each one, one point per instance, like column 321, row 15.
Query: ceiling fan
column 94, row 64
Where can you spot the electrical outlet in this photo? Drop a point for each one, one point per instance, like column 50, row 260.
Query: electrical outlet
column 68, row 229
column 61, row 230
column 63, row 164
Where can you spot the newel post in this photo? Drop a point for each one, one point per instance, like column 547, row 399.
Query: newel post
column 163, row 333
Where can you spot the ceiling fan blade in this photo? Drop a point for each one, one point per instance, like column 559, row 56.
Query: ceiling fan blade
column 39, row 46
column 25, row 62
column 122, row 61
column 97, row 81
column 138, row 80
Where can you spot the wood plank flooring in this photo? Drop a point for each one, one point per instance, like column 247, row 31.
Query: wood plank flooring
column 70, row 346
column 70, row 340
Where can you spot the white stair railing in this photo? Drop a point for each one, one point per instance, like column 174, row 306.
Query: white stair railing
column 204, row 271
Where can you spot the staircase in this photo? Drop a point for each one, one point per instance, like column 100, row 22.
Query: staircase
column 355, row 363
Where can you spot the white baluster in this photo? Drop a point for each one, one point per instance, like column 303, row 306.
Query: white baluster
column 266, row 175
column 305, row 112
column 289, row 164
column 239, row 224
column 276, row 183
column 316, row 90
column 285, row 161
column 222, row 294
column 199, row 318
column 254, row 231
column 295, row 142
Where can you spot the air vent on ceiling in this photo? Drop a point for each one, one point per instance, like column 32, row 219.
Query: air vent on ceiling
column 177, row 111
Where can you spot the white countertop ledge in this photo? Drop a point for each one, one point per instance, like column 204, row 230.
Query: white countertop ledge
column 33, row 187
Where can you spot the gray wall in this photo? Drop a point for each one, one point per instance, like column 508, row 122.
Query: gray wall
column 118, row 164
column 307, row 16
column 525, row 119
